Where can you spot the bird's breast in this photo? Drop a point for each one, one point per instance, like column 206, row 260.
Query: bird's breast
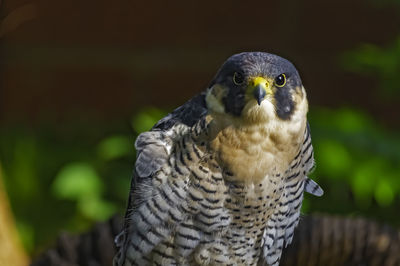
column 254, row 152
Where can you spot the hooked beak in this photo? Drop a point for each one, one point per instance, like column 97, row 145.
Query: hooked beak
column 259, row 93
column 261, row 88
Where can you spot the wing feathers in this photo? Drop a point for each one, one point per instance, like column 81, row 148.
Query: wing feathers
column 312, row 187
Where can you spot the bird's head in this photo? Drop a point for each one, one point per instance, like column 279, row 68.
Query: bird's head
column 256, row 87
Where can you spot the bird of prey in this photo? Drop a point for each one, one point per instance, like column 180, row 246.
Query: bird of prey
column 220, row 180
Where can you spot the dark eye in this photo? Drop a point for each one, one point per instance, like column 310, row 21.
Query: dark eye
column 238, row 78
column 280, row 80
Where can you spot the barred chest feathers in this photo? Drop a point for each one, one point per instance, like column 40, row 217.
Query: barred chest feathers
column 243, row 197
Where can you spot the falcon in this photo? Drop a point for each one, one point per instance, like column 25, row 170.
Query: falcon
column 220, row 180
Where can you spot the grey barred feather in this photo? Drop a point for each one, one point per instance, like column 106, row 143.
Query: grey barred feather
column 313, row 188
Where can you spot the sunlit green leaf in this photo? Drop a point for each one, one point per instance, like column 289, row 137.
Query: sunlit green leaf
column 384, row 193
column 333, row 158
column 114, row 147
column 146, row 119
column 77, row 180
column 349, row 120
column 366, row 177
column 95, row 208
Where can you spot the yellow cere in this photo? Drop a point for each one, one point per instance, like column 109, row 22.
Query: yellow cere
column 263, row 82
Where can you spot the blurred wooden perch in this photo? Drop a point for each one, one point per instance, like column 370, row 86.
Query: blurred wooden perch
column 319, row 240
column 11, row 251
column 328, row 240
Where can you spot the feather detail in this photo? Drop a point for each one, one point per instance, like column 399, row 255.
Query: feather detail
column 313, row 188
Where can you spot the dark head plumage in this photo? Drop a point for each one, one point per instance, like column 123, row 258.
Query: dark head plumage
column 249, row 66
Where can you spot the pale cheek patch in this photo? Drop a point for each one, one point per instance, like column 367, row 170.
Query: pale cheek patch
column 214, row 99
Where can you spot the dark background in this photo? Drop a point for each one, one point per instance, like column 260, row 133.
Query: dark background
column 80, row 79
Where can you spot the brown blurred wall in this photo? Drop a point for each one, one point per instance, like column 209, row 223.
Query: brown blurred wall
column 62, row 59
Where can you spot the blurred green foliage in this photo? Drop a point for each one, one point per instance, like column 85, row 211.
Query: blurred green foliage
column 380, row 62
column 358, row 164
column 59, row 182
column 146, row 119
column 78, row 181
column 68, row 180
